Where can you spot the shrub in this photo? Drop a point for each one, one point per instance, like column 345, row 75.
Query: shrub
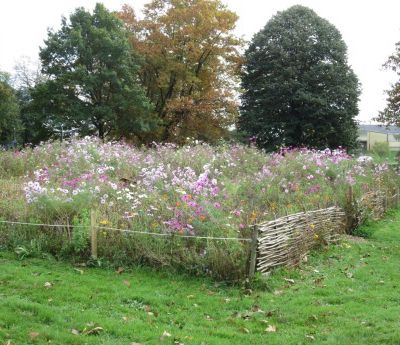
column 381, row 149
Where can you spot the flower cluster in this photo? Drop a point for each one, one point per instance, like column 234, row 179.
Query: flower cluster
column 192, row 189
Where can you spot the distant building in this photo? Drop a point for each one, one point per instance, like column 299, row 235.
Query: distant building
column 369, row 135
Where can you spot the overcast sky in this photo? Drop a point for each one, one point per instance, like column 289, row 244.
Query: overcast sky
column 370, row 28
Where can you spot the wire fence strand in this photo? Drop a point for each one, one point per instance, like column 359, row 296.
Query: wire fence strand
column 127, row 231
column 43, row 224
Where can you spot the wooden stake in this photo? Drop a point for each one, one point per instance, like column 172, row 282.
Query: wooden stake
column 351, row 195
column 385, row 202
column 397, row 197
column 253, row 251
column 93, row 234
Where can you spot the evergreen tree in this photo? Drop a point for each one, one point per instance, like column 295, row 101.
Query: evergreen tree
column 298, row 87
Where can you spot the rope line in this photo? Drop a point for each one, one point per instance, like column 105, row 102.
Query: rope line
column 164, row 234
column 128, row 231
column 48, row 225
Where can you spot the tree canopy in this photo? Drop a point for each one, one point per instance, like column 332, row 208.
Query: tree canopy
column 191, row 65
column 10, row 123
column 92, row 77
column 27, row 74
column 298, row 87
column 391, row 114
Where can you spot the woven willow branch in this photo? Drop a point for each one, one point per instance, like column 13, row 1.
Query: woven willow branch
column 286, row 240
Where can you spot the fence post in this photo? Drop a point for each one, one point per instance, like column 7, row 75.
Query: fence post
column 253, row 251
column 385, row 202
column 351, row 195
column 93, row 234
column 397, row 197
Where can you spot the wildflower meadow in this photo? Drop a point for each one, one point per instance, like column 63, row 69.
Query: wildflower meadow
column 188, row 193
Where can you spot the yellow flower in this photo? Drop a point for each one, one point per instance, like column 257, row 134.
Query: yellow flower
column 312, row 226
column 253, row 215
column 104, row 222
column 316, row 236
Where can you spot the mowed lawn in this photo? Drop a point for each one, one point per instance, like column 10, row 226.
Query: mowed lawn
column 347, row 294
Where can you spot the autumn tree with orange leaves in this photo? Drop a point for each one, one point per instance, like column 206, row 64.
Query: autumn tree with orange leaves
column 191, row 65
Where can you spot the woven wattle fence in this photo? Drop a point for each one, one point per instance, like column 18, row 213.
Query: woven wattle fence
column 375, row 202
column 286, row 241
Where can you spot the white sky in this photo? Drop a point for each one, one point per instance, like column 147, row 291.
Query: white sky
column 370, row 28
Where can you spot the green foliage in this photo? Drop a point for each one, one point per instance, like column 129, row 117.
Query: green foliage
column 80, row 233
column 391, row 114
column 10, row 122
column 332, row 299
column 298, row 87
column 381, row 149
column 365, row 230
column 92, row 78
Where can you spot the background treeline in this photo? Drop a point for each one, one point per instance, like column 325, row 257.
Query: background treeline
column 179, row 72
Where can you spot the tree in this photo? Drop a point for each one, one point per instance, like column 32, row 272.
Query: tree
column 92, row 77
column 27, row 74
column 10, row 124
column 298, row 87
column 191, row 65
column 391, row 114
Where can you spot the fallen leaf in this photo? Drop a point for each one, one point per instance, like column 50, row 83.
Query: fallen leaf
column 190, row 296
column 135, row 343
column 120, row 270
column 291, row 281
column 8, row 342
column 256, row 309
column 33, row 335
column 313, row 318
column 48, row 285
column 165, row 335
column 318, row 281
column 278, row 292
column 127, row 283
column 75, row 331
column 270, row 328
column 310, row 337
column 93, row 331
column 125, row 318
column 78, row 270
column 244, row 330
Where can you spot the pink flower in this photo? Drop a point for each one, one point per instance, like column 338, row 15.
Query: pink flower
column 236, row 213
column 217, row 205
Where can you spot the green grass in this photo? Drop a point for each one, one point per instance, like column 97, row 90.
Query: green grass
column 347, row 294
